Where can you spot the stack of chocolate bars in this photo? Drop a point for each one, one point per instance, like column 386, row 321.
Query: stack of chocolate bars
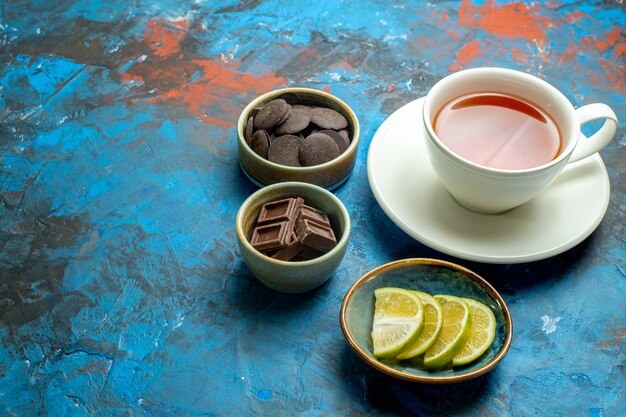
column 289, row 230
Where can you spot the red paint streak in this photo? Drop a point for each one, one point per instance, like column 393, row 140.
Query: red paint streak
column 519, row 56
column 344, row 64
column 128, row 78
column 574, row 16
column 215, row 121
column 454, row 35
column 615, row 35
column 204, row 88
column 606, row 50
column 510, row 20
column 614, row 40
column 216, row 88
column 618, row 335
column 587, row 42
column 612, row 77
column 601, row 45
column 602, row 42
column 568, row 54
column 165, row 40
column 466, row 54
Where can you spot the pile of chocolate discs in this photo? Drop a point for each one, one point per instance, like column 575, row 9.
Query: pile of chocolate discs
column 291, row 131
column 289, row 230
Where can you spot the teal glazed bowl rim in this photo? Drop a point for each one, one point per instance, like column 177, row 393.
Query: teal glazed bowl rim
column 466, row 284
column 341, row 243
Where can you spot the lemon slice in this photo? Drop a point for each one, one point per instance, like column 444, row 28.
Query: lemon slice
column 456, row 325
column 481, row 333
column 398, row 320
column 433, row 322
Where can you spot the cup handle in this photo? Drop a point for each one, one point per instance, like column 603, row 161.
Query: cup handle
column 598, row 140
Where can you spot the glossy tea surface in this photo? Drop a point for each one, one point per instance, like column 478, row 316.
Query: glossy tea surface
column 498, row 131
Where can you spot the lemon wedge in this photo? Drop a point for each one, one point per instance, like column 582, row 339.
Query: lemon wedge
column 454, row 332
column 481, row 333
column 398, row 321
column 433, row 323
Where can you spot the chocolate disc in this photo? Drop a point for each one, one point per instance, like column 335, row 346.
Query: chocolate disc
column 271, row 114
column 328, row 118
column 341, row 141
column 247, row 133
column 298, row 120
column 285, row 116
column 284, row 150
column 290, row 98
column 260, row 143
column 318, row 148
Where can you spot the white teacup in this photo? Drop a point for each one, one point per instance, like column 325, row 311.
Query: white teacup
column 493, row 190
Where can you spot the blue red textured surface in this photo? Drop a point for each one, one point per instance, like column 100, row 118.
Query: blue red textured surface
column 121, row 287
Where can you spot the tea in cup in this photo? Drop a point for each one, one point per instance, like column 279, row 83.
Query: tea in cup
column 497, row 138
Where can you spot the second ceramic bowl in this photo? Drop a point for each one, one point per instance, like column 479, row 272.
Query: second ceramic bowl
column 288, row 276
column 329, row 175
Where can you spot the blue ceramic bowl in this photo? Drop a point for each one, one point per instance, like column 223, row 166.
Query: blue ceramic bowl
column 433, row 277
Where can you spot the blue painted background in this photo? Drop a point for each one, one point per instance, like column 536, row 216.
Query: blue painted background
column 122, row 291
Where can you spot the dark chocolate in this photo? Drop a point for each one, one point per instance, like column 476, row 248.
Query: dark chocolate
column 309, row 253
column 286, row 209
column 293, row 249
column 289, row 114
column 290, row 98
column 271, row 114
column 315, row 236
column 285, row 150
column 313, row 215
column 271, row 236
column 247, row 134
column 285, row 116
column 318, row 148
column 297, row 121
column 289, row 230
column 328, row 118
column 260, row 143
column 341, row 141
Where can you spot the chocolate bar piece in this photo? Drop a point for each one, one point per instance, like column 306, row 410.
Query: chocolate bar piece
column 289, row 230
column 313, row 215
column 281, row 210
column 291, row 251
column 309, row 253
column 271, row 236
column 315, row 235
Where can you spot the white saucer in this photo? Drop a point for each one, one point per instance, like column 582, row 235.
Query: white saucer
column 407, row 189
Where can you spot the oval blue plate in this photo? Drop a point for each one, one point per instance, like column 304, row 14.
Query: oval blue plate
column 434, row 277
